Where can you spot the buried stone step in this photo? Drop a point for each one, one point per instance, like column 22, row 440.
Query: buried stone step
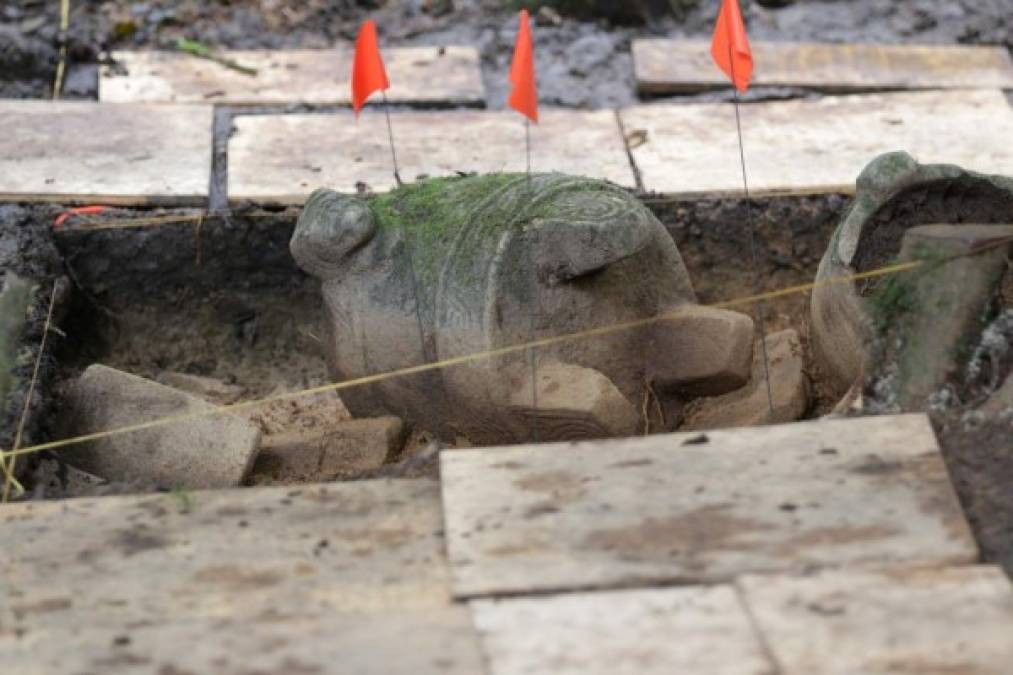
column 700, row 507
column 664, row 66
column 253, row 580
column 439, row 76
column 200, row 452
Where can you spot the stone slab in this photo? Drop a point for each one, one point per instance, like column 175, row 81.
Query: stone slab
column 283, row 158
column 363, row 547
column 665, row 66
column 957, row 620
column 700, row 508
column 639, row 632
column 81, row 151
column 440, row 76
column 395, row 643
column 814, row 146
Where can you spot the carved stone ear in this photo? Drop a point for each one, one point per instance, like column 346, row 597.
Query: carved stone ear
column 331, row 226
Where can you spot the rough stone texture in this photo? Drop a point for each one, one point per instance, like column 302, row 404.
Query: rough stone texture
column 955, row 620
column 711, row 352
column 259, row 580
column 927, row 318
column 750, row 405
column 202, row 452
column 82, row 151
column 207, row 388
column 641, row 632
column 468, row 245
column 343, row 448
column 1002, row 400
column 575, row 402
column 441, row 76
column 666, row 66
column 894, row 193
column 700, row 508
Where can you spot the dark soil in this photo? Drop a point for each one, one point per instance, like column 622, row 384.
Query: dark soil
column 581, row 61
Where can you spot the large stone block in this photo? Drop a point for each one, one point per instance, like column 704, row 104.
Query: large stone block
column 198, row 450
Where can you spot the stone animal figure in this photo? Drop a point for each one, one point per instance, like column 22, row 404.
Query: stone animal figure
column 497, row 259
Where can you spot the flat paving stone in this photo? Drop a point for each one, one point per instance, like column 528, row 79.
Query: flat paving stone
column 283, row 158
column 370, row 547
column 418, row 75
column 411, row 642
column 665, row 66
column 81, row 151
column 814, row 146
column 700, row 508
column 640, row 632
column 957, row 620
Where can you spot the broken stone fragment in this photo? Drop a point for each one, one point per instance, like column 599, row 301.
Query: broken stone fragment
column 342, row 449
column 575, row 402
column 707, row 352
column 749, row 406
column 928, row 317
column 894, row 193
column 207, row 451
column 207, row 388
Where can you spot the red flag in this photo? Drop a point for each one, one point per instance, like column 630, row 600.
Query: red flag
column 524, row 97
column 368, row 73
column 730, row 46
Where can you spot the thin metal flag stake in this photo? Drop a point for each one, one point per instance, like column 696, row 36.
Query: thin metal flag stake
column 390, row 137
column 761, row 306
column 533, row 304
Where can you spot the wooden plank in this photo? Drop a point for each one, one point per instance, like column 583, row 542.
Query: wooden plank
column 410, row 642
column 664, row 66
column 957, row 620
column 79, row 151
column 283, row 158
column 694, row 508
column 663, row 631
column 368, row 547
column 443, row 76
column 815, row 146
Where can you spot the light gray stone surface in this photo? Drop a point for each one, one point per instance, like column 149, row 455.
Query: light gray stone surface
column 82, row 151
column 202, row 451
column 956, row 620
column 639, row 632
column 694, row 508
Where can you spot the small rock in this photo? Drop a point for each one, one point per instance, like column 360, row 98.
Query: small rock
column 548, row 17
column 588, row 52
column 749, row 406
column 714, row 349
column 207, row 388
column 209, row 451
column 342, row 449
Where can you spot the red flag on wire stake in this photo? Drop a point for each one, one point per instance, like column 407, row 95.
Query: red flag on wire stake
column 368, row 73
column 730, row 45
column 524, row 96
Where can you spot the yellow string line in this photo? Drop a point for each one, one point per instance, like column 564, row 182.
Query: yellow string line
column 62, row 63
column 458, row 360
column 9, row 479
